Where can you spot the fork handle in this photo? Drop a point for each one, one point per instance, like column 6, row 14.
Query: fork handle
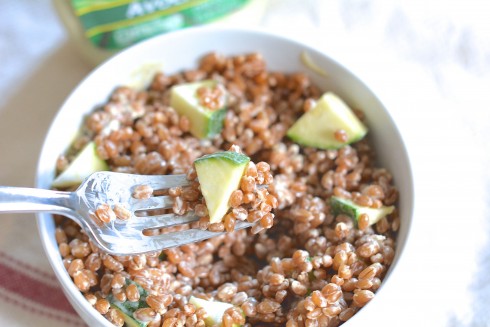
column 24, row 199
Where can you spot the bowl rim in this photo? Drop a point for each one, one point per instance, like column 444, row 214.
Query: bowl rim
column 75, row 296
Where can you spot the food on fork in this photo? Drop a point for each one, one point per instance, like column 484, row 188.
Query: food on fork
column 220, row 174
column 228, row 187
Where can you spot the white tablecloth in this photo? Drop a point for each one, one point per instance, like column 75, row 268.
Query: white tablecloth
column 429, row 61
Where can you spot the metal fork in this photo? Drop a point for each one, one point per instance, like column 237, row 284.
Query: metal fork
column 118, row 237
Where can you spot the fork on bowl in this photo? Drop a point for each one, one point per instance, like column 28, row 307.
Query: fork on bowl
column 107, row 189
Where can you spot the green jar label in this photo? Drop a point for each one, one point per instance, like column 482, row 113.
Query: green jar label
column 117, row 24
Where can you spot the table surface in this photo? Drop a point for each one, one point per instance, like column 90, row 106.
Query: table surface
column 429, row 63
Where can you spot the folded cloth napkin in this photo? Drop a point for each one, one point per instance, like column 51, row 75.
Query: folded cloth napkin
column 29, row 292
column 33, row 85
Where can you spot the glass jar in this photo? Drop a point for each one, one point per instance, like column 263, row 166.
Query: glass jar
column 100, row 28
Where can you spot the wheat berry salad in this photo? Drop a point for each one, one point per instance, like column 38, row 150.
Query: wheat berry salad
column 261, row 146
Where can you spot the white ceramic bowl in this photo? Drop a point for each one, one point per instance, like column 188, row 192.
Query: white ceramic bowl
column 181, row 50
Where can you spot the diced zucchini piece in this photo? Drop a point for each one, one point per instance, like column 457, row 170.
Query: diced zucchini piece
column 219, row 175
column 204, row 122
column 330, row 115
column 84, row 164
column 127, row 308
column 214, row 309
column 349, row 208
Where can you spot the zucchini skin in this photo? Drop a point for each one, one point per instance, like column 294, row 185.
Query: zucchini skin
column 127, row 308
column 216, row 121
column 354, row 211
